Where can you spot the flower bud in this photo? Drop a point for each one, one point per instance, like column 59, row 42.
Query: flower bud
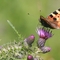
column 30, row 57
column 45, row 49
column 30, row 39
column 36, row 58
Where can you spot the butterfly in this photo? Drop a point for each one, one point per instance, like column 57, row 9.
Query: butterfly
column 52, row 21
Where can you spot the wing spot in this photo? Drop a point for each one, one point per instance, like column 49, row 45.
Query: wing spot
column 58, row 16
column 51, row 15
column 58, row 9
column 55, row 12
column 54, row 19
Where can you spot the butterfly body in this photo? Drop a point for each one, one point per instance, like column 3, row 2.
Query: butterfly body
column 52, row 21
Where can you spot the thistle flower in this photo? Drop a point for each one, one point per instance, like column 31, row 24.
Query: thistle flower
column 44, row 33
column 29, row 40
column 45, row 49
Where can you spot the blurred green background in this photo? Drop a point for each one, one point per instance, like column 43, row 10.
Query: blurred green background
column 24, row 15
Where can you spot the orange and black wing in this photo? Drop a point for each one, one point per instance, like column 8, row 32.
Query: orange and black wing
column 52, row 21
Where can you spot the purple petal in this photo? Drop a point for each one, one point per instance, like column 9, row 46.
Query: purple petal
column 44, row 33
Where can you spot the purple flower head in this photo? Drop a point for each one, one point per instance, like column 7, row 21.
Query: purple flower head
column 30, row 57
column 44, row 33
column 30, row 39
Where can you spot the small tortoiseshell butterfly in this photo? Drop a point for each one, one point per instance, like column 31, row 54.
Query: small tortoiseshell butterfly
column 52, row 21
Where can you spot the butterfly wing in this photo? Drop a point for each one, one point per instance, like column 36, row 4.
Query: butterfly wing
column 52, row 21
column 47, row 23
